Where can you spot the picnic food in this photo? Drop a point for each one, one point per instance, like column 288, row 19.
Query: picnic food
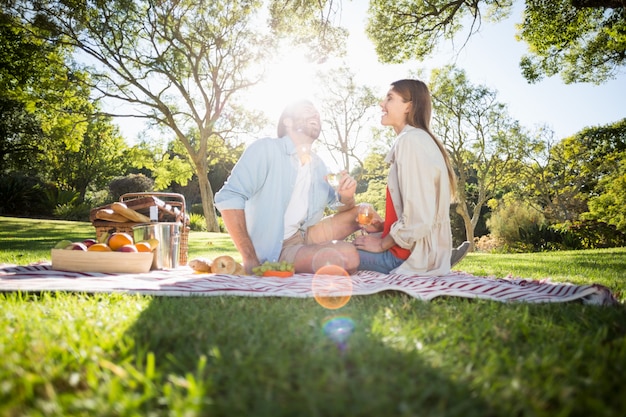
column 77, row 246
column 99, row 247
column 110, row 215
column 201, row 264
column 221, row 265
column 239, row 270
column 115, row 242
column 224, row 264
column 62, row 244
column 267, row 267
column 130, row 214
column 118, row 239
column 143, row 246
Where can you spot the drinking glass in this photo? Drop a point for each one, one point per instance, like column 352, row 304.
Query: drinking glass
column 365, row 215
column 333, row 179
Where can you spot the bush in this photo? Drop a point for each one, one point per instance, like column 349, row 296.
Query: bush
column 133, row 183
column 591, row 234
column 196, row 209
column 21, row 195
column 197, row 222
column 511, row 217
column 71, row 211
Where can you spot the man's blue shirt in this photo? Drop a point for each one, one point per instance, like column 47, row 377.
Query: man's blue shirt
column 261, row 184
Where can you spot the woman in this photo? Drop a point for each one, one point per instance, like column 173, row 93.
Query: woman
column 416, row 237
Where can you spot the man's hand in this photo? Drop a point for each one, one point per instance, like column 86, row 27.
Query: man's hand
column 346, row 188
column 235, row 222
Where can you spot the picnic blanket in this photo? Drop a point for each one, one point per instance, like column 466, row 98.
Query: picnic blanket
column 183, row 281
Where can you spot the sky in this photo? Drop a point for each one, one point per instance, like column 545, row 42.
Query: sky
column 490, row 58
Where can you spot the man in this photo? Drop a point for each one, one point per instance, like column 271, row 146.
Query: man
column 274, row 200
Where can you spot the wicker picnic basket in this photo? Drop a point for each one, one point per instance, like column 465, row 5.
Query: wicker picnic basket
column 170, row 208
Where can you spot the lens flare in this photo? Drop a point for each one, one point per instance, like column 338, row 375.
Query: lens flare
column 338, row 329
column 325, row 257
column 332, row 287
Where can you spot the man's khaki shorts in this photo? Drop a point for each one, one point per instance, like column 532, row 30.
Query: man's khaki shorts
column 321, row 232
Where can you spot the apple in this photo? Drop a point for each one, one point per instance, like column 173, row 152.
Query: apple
column 128, row 248
column 63, row 244
column 89, row 242
column 77, row 246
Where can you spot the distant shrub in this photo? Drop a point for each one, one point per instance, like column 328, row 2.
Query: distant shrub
column 197, row 209
column 72, row 211
column 133, row 183
column 511, row 217
column 197, row 222
column 22, row 195
column 488, row 243
column 591, row 234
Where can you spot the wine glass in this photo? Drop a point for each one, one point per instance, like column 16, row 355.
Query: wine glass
column 365, row 215
column 333, row 179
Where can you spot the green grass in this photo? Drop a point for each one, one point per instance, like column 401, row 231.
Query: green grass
column 121, row 355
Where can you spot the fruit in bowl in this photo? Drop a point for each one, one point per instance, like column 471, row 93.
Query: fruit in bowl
column 118, row 239
column 77, row 246
column 128, row 248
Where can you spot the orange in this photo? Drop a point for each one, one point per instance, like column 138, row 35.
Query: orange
column 119, row 239
column 99, row 247
column 143, row 247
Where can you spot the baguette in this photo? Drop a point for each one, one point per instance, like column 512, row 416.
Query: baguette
column 130, row 214
column 110, row 215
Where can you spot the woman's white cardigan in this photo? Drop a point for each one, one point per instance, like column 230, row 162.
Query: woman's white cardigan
column 420, row 192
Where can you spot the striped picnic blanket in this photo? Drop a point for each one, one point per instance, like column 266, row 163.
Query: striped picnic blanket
column 183, row 281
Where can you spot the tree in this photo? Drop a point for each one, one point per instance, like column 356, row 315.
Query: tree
column 581, row 43
column 548, row 181
column 582, row 40
column 344, row 107
column 484, row 143
column 42, row 99
column 101, row 156
column 179, row 63
column 592, row 171
column 20, row 134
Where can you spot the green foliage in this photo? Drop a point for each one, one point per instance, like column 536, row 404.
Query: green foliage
column 484, row 142
column 22, row 195
column 310, row 23
column 582, row 44
column 512, row 221
column 592, row 234
column 196, row 209
column 609, row 202
column 20, row 132
column 406, row 29
column 197, row 222
column 372, row 186
column 77, row 211
column 132, row 183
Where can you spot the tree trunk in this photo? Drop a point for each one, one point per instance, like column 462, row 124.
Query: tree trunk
column 206, row 194
column 461, row 209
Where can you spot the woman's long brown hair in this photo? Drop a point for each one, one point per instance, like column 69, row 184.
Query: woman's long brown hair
column 416, row 92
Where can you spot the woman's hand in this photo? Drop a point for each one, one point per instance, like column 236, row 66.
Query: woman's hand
column 369, row 243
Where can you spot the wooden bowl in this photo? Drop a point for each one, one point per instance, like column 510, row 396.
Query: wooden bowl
column 109, row 262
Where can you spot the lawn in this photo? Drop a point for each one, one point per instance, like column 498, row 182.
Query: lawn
column 66, row 354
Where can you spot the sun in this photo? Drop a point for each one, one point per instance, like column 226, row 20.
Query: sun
column 288, row 78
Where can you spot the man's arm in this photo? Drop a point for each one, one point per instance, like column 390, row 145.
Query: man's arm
column 235, row 222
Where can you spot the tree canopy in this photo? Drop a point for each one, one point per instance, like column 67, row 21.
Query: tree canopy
column 580, row 40
column 181, row 63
